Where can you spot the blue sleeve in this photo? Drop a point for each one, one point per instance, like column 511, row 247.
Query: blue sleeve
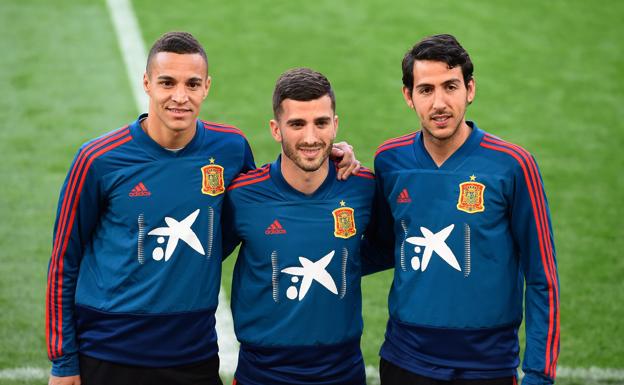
column 248, row 159
column 378, row 242
column 77, row 216
column 532, row 232
column 228, row 226
column 229, row 238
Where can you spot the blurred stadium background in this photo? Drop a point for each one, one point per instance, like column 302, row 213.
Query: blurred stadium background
column 550, row 77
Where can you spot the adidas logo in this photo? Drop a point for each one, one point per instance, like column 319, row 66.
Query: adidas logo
column 140, row 191
column 275, row 228
column 404, row 197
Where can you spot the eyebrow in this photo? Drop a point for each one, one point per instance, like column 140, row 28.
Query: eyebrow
column 295, row 121
column 323, row 119
column 450, row 81
column 170, row 78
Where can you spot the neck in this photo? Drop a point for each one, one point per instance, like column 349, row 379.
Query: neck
column 166, row 137
column 442, row 149
column 306, row 182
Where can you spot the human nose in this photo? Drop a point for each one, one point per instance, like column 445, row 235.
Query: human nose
column 179, row 94
column 309, row 134
column 439, row 100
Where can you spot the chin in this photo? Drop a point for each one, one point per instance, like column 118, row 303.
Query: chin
column 179, row 125
column 310, row 166
column 441, row 133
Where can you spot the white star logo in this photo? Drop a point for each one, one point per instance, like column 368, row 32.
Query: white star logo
column 433, row 242
column 311, row 271
column 177, row 231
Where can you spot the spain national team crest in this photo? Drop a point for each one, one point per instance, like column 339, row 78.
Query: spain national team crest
column 471, row 196
column 212, row 179
column 344, row 222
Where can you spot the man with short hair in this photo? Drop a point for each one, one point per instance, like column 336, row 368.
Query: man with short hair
column 470, row 228
column 296, row 298
column 135, row 271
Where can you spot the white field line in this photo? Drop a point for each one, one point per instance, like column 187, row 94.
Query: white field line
column 135, row 57
column 132, row 47
column 590, row 375
column 26, row 373
column 228, row 345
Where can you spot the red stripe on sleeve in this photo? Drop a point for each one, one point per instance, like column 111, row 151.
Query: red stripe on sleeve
column 222, row 125
column 398, row 144
column 251, row 174
column 55, row 271
column 70, row 226
column 68, row 192
column 399, row 139
column 248, row 182
column 551, row 371
column 546, row 231
column 367, row 175
column 534, row 187
column 223, row 128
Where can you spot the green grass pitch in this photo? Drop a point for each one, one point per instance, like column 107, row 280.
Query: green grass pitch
column 548, row 73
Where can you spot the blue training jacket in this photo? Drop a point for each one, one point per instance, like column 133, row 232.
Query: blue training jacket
column 135, row 270
column 472, row 239
column 296, row 298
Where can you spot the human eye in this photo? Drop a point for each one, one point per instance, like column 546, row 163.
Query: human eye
column 322, row 123
column 451, row 87
column 425, row 90
column 194, row 85
column 166, row 83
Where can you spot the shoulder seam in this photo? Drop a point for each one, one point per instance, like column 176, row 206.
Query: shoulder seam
column 366, row 172
column 251, row 177
column 223, row 128
column 396, row 142
column 398, row 138
column 494, row 143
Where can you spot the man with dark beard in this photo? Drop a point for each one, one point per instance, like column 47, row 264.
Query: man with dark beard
column 296, row 297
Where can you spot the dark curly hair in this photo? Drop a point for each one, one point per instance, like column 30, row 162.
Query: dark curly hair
column 444, row 48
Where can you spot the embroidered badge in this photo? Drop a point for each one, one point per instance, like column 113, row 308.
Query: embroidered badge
column 212, row 179
column 344, row 222
column 471, row 196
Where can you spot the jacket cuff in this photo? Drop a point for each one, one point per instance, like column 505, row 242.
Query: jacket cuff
column 66, row 365
column 533, row 378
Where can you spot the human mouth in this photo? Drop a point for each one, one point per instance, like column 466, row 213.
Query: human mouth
column 178, row 111
column 441, row 120
column 310, row 152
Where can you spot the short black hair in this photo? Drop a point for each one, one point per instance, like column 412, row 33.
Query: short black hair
column 444, row 48
column 301, row 84
column 176, row 42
